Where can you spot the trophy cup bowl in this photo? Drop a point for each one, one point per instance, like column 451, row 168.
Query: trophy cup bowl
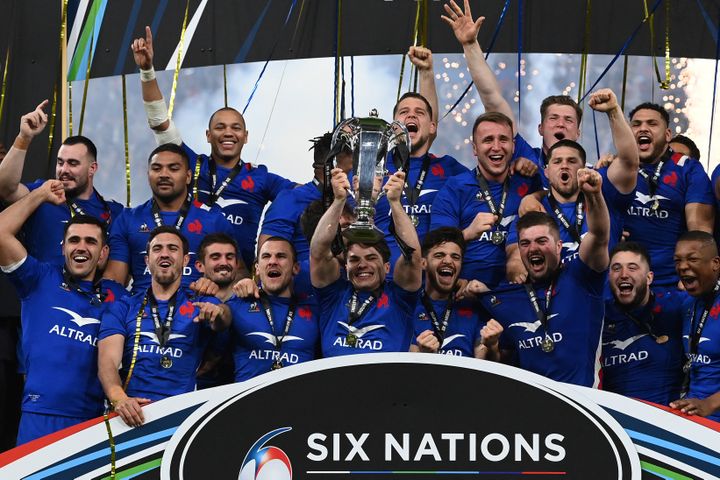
column 370, row 139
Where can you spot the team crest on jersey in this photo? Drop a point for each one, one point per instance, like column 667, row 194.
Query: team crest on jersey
column 494, row 301
column 144, row 228
column 610, row 327
column 253, row 308
column 422, row 316
column 65, row 286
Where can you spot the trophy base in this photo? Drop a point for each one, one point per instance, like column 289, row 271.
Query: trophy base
column 363, row 233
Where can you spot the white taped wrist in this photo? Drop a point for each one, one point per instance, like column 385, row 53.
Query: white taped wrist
column 156, row 112
column 171, row 135
column 147, row 75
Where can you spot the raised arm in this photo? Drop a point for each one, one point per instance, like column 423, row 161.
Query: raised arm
column 155, row 107
column 594, row 247
column 623, row 172
column 408, row 273
column 324, row 268
column 13, row 218
column 421, row 57
column 11, row 168
column 466, row 31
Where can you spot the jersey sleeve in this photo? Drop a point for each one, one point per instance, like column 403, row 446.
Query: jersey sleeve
column 276, row 184
column 445, row 207
column 699, row 189
column 26, row 277
column 192, row 157
column 112, row 321
column 280, row 219
column 328, row 297
column 118, row 240
column 523, row 149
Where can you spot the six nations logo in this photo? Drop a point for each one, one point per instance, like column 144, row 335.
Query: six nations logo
column 266, row 462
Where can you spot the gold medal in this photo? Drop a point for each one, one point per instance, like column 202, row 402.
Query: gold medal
column 351, row 339
column 686, row 366
column 547, row 344
column 661, row 339
column 276, row 365
column 415, row 220
column 655, row 205
column 166, row 362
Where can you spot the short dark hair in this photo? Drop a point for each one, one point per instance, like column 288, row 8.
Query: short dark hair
column 172, row 148
column 311, row 217
column 413, row 95
column 168, row 229
column 560, row 100
column 683, row 140
column 87, row 220
column 443, row 235
column 494, row 117
column 381, row 246
column 212, row 238
column 706, row 239
column 82, row 140
column 321, row 148
column 225, row 109
column 534, row 219
column 632, row 247
column 276, row 238
column 568, row 143
column 652, row 106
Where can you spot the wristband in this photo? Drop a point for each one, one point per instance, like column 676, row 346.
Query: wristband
column 147, row 75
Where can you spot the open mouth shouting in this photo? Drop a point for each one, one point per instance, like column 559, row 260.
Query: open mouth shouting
column 536, row 262
column 644, row 142
column 690, row 282
column 559, row 136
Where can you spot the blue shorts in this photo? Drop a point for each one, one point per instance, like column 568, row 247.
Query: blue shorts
column 36, row 425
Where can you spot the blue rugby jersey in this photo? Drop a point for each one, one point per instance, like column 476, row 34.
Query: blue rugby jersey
column 44, row 229
column 440, row 169
column 705, row 367
column 463, row 328
column 633, row 362
column 130, row 232
column 387, row 325
column 681, row 181
column 254, row 342
column 617, row 204
column 244, row 199
column 59, row 334
column 283, row 217
column 457, row 204
column 574, row 323
column 185, row 346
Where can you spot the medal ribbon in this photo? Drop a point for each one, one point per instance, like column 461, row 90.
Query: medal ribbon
column 573, row 230
column 75, row 209
column 182, row 215
column 540, row 314
column 265, row 300
column 497, row 210
column 694, row 340
column 96, row 297
column 162, row 329
column 215, row 194
column 355, row 313
column 644, row 324
column 652, row 182
column 438, row 327
column 412, row 194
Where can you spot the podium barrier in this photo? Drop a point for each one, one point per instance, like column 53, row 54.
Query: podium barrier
column 384, row 416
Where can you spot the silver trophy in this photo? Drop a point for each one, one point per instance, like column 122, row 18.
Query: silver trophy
column 369, row 138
